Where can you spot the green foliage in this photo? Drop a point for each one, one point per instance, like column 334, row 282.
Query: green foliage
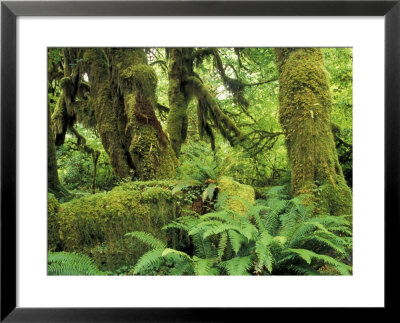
column 276, row 237
column 71, row 264
column 75, row 168
column 96, row 224
column 53, row 238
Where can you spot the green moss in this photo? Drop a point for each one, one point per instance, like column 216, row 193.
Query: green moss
column 97, row 66
column 305, row 115
column 236, row 193
column 144, row 78
column 96, row 225
column 59, row 120
column 336, row 199
column 177, row 122
column 53, row 238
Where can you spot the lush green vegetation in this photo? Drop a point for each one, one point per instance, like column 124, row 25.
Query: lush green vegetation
column 200, row 161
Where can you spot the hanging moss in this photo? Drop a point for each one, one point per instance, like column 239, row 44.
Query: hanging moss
column 59, row 120
column 227, row 127
column 177, row 122
column 305, row 115
column 53, row 181
column 96, row 225
column 97, row 67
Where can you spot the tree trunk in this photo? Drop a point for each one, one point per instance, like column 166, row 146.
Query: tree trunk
column 134, row 86
column 98, row 70
column 180, row 67
column 122, row 89
column 53, row 182
column 305, row 116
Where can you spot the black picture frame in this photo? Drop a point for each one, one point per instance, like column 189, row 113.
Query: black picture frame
column 10, row 10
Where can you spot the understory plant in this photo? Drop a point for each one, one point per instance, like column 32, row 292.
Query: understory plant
column 199, row 173
column 71, row 264
column 277, row 236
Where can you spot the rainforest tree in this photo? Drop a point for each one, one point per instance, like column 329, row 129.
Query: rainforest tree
column 118, row 101
column 305, row 114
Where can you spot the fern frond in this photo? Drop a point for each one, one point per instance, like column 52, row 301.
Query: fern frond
column 219, row 228
column 221, row 216
column 71, row 264
column 223, row 241
column 203, row 248
column 304, row 270
column 305, row 254
column 308, row 255
column 177, row 252
column 204, row 267
column 264, row 256
column 236, row 240
column 147, row 239
column 238, row 265
column 328, row 243
column 151, row 258
column 176, row 225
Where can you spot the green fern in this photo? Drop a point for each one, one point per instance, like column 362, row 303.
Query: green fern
column 276, row 236
column 71, row 264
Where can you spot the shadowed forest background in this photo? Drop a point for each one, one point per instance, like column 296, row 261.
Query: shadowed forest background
column 200, row 161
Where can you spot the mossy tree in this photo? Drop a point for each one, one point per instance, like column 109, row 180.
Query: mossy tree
column 305, row 115
column 184, row 85
column 122, row 87
column 53, row 181
column 55, row 74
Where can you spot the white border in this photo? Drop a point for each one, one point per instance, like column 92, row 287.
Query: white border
column 364, row 288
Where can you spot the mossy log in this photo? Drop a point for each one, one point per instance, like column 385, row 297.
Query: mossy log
column 96, row 225
column 305, row 115
column 237, row 194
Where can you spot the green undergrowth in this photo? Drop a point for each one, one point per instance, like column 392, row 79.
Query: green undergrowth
column 276, row 236
column 95, row 225
column 71, row 264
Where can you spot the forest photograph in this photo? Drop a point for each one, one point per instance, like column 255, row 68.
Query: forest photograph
column 200, row 161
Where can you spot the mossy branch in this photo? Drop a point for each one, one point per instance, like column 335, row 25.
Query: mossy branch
column 222, row 121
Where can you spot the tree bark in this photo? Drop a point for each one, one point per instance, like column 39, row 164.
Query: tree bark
column 305, row 116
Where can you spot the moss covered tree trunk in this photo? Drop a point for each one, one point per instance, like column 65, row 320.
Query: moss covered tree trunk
column 180, row 67
column 134, row 86
column 98, row 69
column 305, row 115
column 53, row 181
column 122, row 88
column 52, row 175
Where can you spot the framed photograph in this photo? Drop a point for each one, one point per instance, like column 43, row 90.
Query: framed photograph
column 197, row 158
